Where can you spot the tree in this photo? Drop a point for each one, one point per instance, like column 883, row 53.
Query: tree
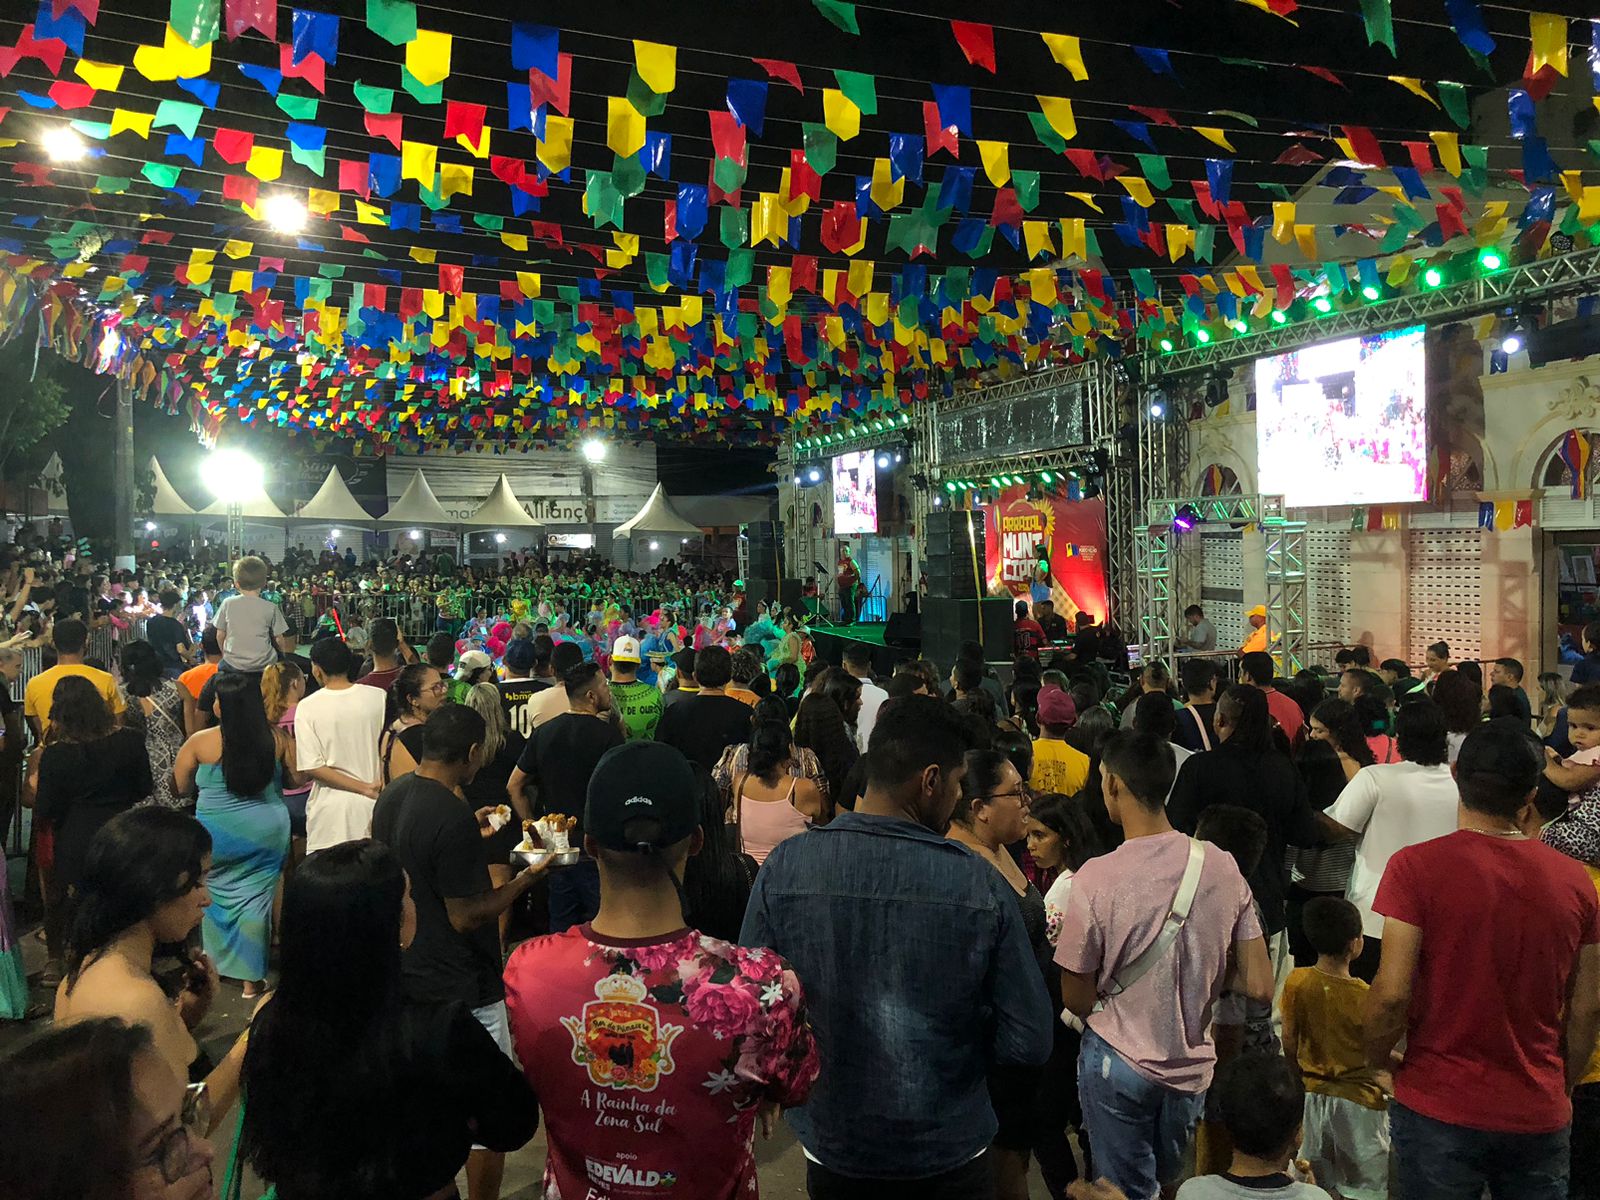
column 32, row 403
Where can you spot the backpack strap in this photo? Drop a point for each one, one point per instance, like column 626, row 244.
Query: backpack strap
column 1182, row 902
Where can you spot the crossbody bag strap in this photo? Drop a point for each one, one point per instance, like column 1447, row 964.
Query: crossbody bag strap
column 1200, row 724
column 1182, row 902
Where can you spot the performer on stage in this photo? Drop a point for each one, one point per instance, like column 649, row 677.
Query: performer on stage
column 849, row 581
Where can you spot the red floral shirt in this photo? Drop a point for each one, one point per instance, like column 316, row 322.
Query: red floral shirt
column 651, row 1059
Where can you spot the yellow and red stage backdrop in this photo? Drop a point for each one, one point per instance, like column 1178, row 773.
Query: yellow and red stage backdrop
column 1069, row 535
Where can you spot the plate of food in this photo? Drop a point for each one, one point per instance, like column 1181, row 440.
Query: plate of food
column 547, row 838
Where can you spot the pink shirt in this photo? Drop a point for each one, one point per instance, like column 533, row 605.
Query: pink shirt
column 1161, row 1025
column 1289, row 715
column 765, row 823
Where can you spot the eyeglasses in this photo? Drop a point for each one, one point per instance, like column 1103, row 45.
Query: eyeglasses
column 1019, row 794
column 438, row 687
column 174, row 1152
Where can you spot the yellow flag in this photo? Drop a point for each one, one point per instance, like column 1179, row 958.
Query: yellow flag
column 1058, row 112
column 1549, row 34
column 240, row 281
column 514, row 241
column 657, row 65
column 1573, row 182
column 840, row 114
column 1449, row 151
column 173, row 59
column 1074, row 238
column 433, row 303
column 691, row 310
column 624, row 127
column 265, row 163
column 102, row 77
column 1036, row 239
column 886, row 192
column 768, row 221
column 1305, row 237
column 1282, row 220
column 780, row 288
column 1041, row 284
column 422, row 254
column 428, row 57
column 138, row 122
column 877, row 307
column 1064, row 48
column 1219, row 136
column 528, row 283
column 481, row 149
column 1087, row 198
column 455, row 179
column 996, row 159
column 1399, row 270
column 1414, row 86
column 1137, row 187
column 859, row 281
column 369, row 214
column 555, row 152
column 1589, row 206
column 419, row 161
column 1179, row 239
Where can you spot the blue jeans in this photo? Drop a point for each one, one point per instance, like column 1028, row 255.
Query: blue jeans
column 1140, row 1130
column 1437, row 1161
column 574, row 894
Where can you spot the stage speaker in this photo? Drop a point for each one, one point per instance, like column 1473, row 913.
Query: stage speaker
column 789, row 593
column 952, row 538
column 904, row 631
column 946, row 623
column 765, row 568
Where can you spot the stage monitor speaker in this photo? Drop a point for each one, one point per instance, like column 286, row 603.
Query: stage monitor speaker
column 789, row 593
column 765, row 569
column 946, row 623
column 955, row 539
column 904, row 631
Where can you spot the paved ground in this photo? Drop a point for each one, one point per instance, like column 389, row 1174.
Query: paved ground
column 781, row 1162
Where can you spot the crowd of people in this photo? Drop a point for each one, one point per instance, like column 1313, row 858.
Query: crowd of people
column 655, row 885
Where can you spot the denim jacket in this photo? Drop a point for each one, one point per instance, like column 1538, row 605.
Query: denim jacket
column 918, row 977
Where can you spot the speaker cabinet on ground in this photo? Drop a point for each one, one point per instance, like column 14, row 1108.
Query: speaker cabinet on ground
column 947, row 623
column 955, row 541
column 765, row 568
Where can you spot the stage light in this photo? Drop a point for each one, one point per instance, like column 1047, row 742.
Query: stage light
column 938, row 501
column 1432, row 278
column 1158, row 410
column 796, row 481
column 500, row 539
column 995, row 481
column 813, row 475
column 594, row 450
column 1166, row 345
column 1279, row 317
column 1490, row 259
column 149, row 526
column 884, row 461
column 1323, row 305
column 898, row 457
column 1512, row 342
column 1046, row 477
column 61, row 144
column 1372, row 291
column 231, row 475
column 1185, row 519
column 285, row 213
column 1203, row 336
column 655, row 545
column 683, row 542
column 334, row 534
column 416, row 535
column 1241, row 326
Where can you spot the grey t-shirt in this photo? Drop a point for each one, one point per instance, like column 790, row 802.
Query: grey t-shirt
column 1223, row 1187
column 1202, row 635
column 247, row 626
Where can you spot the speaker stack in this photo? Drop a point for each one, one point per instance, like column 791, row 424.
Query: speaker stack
column 765, row 543
column 951, row 614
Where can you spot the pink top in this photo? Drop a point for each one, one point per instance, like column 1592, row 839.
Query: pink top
column 286, row 723
column 1162, row 1024
column 765, row 823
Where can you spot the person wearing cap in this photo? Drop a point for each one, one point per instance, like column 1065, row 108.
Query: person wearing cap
column 1257, row 640
column 653, row 1047
column 551, row 702
column 637, row 701
column 472, row 668
column 919, row 971
column 438, row 838
column 518, row 687
column 552, row 776
column 682, row 685
column 707, row 723
column 1057, row 766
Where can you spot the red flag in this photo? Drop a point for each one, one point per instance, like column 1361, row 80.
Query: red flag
column 355, row 176
column 464, row 120
column 785, row 72
column 977, row 43
column 450, row 279
column 1365, row 144
column 939, row 136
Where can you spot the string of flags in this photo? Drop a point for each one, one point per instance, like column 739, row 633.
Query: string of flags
column 657, row 316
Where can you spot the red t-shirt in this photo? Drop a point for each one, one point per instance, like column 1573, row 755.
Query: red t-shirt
column 1027, row 635
column 1502, row 921
column 1289, row 715
column 651, row 1058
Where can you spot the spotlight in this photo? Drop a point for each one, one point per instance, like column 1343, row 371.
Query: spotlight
column 797, row 481
column 1279, row 317
column 683, row 541
column 813, row 475
column 1046, row 478
column 285, row 213
column 1490, row 259
column 594, row 450
column 334, row 534
column 1512, row 342
column 1157, row 409
column 500, row 539
column 884, row 461
column 1372, row 291
column 655, row 545
column 899, row 457
column 1432, row 278
column 1323, row 305
column 1166, row 345
column 1241, row 326
column 1217, row 387
column 231, row 475
column 950, row 485
column 1186, row 518
column 61, row 144
column 938, row 501
column 149, row 526
column 1203, row 336
column 416, row 535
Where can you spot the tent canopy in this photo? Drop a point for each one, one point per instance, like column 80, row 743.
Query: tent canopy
column 418, row 506
column 657, row 516
column 502, row 510
column 167, row 502
column 333, row 504
column 257, row 506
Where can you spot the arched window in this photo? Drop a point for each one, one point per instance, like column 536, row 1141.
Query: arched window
column 1555, row 474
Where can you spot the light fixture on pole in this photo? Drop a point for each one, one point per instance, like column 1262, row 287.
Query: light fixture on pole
column 233, row 477
column 655, row 546
column 285, row 213
column 594, row 450
column 499, row 539
column 62, row 144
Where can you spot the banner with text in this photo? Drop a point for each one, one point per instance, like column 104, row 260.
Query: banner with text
column 1049, row 542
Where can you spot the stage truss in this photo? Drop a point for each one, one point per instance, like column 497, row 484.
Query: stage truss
column 1166, row 580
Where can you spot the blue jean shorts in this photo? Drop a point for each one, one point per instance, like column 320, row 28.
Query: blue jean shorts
column 1140, row 1130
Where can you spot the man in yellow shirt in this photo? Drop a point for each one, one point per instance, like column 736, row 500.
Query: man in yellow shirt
column 70, row 638
column 1258, row 630
column 1057, row 767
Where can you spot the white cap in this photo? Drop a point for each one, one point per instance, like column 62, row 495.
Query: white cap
column 625, row 649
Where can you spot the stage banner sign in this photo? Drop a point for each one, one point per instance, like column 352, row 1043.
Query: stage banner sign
column 1048, row 543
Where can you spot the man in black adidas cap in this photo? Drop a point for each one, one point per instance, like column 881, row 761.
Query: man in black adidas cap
column 635, row 1002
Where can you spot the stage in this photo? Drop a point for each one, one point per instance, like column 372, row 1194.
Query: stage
column 831, row 640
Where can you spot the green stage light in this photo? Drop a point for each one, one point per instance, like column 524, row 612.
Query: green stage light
column 1046, row 477
column 1203, row 336
column 1432, row 278
column 995, row 481
column 1166, row 345
column 1279, row 317
column 1372, row 291
column 1241, row 326
column 949, row 485
column 1323, row 305
column 1490, row 259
